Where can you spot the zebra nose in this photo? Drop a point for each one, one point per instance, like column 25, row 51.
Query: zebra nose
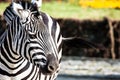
column 52, row 64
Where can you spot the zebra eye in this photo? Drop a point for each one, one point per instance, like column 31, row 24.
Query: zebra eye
column 43, row 60
column 32, row 36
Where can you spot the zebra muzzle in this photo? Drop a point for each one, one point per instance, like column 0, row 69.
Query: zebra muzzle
column 52, row 65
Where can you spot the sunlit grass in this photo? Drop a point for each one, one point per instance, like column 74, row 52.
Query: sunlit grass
column 68, row 10
column 3, row 6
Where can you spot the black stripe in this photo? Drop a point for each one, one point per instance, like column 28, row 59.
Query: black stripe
column 29, row 75
column 54, row 27
column 6, row 47
column 11, row 68
column 45, row 18
column 36, row 73
column 15, row 74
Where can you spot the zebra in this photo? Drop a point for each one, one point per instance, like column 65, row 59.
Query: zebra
column 30, row 47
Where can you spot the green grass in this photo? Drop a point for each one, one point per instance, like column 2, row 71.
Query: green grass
column 67, row 10
column 3, row 6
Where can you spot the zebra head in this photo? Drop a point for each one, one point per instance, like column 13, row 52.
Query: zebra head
column 32, row 40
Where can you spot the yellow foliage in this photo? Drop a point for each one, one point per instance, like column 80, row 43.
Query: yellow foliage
column 100, row 3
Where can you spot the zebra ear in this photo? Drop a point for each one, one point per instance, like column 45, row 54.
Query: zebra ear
column 38, row 3
column 19, row 11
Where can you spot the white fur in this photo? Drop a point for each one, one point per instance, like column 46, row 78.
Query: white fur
column 18, row 9
column 39, row 2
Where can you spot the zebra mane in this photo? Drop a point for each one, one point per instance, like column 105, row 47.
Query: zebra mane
column 3, row 27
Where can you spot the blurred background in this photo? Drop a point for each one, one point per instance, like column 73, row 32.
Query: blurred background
column 97, row 21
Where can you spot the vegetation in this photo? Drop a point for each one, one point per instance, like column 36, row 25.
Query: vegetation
column 100, row 3
column 3, row 6
column 59, row 9
column 69, row 10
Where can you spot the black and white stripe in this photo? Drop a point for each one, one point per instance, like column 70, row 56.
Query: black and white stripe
column 30, row 48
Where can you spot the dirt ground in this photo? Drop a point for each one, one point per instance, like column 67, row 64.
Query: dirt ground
column 82, row 68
